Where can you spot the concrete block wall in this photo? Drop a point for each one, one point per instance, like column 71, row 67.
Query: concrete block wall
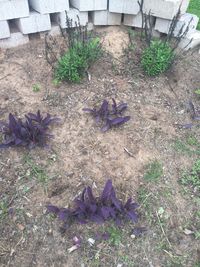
column 32, row 16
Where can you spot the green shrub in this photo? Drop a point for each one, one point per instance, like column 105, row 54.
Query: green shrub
column 157, row 58
column 75, row 62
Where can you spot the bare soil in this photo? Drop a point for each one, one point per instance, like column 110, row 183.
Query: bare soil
column 80, row 155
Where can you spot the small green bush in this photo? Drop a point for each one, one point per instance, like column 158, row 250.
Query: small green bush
column 73, row 65
column 157, row 58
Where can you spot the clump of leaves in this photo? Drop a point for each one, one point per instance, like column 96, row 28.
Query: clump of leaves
column 157, row 58
column 87, row 208
column 30, row 132
column 192, row 178
column 73, row 65
column 81, row 50
column 154, row 171
column 109, row 115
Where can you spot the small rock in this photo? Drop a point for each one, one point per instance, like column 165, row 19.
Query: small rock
column 188, row 232
column 91, row 241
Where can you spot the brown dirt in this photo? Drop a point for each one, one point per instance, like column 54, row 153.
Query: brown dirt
column 85, row 156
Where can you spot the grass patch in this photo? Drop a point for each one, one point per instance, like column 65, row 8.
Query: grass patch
column 36, row 171
column 190, row 147
column 3, row 209
column 115, row 235
column 194, row 8
column 192, row 177
column 154, row 170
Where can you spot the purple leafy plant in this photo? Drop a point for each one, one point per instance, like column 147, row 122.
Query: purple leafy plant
column 109, row 115
column 30, row 132
column 106, row 207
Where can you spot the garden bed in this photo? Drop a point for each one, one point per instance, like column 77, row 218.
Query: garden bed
column 81, row 155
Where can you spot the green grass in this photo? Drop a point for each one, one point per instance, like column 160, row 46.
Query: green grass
column 190, row 147
column 36, row 171
column 3, row 209
column 192, row 177
column 154, row 171
column 194, row 8
column 115, row 235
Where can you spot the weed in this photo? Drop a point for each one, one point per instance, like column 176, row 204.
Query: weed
column 36, row 88
column 197, row 92
column 115, row 235
column 190, row 147
column 157, row 58
column 3, row 209
column 154, row 171
column 192, row 178
column 36, row 171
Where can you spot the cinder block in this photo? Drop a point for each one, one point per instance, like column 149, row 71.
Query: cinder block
column 89, row 5
column 186, row 20
column 124, row 6
column 11, row 9
column 191, row 41
column 73, row 14
column 49, row 6
column 15, row 39
column 136, row 20
column 4, row 29
column 105, row 17
column 36, row 22
column 166, row 9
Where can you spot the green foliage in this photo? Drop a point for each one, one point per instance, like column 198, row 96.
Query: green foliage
column 73, row 65
column 192, row 177
column 36, row 171
column 154, row 171
column 197, row 92
column 115, row 235
column 3, row 209
column 194, row 8
column 190, row 147
column 157, row 58
column 36, row 88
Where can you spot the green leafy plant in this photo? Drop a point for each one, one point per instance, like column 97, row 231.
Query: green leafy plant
column 115, row 235
column 36, row 88
column 157, row 58
column 192, row 178
column 154, row 171
column 197, row 92
column 74, row 64
column 80, row 50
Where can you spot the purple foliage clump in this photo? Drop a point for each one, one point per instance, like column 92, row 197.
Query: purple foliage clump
column 30, row 132
column 89, row 208
column 109, row 115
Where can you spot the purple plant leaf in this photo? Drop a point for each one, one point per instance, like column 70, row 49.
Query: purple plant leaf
column 107, row 191
column 97, row 219
column 119, row 120
column 53, row 209
column 132, row 216
column 90, row 195
column 64, row 214
column 138, row 231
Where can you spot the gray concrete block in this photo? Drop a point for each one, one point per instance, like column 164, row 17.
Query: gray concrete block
column 186, row 20
column 15, row 39
column 49, row 6
column 60, row 18
column 136, row 20
column 89, row 5
column 191, row 41
column 36, row 22
column 11, row 9
column 124, row 6
column 105, row 17
column 4, row 29
column 166, row 9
